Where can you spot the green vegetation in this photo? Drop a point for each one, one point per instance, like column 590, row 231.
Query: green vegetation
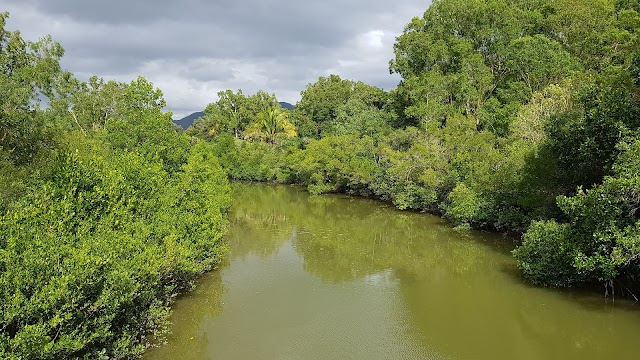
column 271, row 124
column 517, row 116
column 106, row 212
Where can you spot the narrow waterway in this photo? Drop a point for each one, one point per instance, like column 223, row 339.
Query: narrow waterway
column 335, row 277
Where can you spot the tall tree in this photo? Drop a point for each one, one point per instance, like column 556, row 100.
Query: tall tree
column 232, row 113
column 333, row 106
column 29, row 72
column 271, row 124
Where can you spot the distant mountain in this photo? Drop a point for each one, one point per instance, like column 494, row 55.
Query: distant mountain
column 185, row 122
column 286, row 105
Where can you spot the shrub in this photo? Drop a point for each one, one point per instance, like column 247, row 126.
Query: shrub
column 90, row 259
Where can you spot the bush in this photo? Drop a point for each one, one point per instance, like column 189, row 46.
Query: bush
column 546, row 254
column 464, row 206
column 90, row 259
column 600, row 241
column 338, row 163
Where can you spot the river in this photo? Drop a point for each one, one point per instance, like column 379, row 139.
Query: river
column 337, row 277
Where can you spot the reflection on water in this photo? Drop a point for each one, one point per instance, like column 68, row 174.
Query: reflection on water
column 334, row 277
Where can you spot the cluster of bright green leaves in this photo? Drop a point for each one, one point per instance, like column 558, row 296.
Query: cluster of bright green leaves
column 270, row 124
column 90, row 259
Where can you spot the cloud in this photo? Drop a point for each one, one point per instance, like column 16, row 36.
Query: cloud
column 193, row 48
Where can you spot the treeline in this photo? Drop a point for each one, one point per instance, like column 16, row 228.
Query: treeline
column 106, row 212
column 519, row 116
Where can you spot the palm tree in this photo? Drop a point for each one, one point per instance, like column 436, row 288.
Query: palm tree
column 270, row 124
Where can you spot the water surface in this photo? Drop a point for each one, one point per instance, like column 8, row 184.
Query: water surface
column 335, row 277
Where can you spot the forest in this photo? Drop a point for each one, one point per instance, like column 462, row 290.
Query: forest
column 516, row 116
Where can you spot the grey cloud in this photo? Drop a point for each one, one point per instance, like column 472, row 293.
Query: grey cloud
column 193, row 48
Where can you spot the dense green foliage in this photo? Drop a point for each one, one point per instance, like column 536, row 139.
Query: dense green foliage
column 601, row 239
column 333, row 106
column 519, row 116
column 270, row 124
column 106, row 211
column 233, row 113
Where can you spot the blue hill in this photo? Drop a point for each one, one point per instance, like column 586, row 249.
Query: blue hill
column 187, row 121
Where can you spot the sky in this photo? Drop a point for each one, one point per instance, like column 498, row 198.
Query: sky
column 191, row 49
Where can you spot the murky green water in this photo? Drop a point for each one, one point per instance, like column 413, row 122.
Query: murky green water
column 334, row 277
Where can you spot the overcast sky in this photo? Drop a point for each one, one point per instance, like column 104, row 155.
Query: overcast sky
column 191, row 49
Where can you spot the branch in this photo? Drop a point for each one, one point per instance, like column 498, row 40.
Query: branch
column 77, row 123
